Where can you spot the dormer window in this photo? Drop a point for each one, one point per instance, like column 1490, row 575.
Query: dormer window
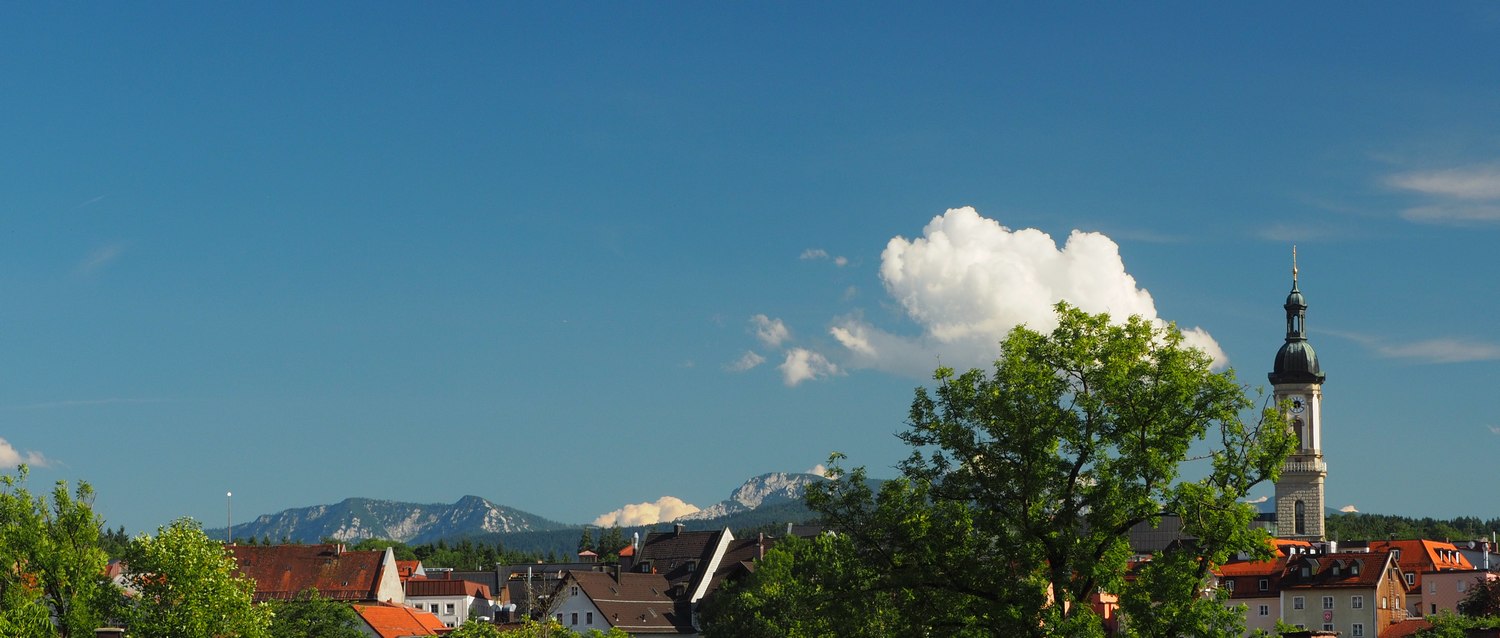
column 1354, row 568
column 1264, row 584
column 1410, row 579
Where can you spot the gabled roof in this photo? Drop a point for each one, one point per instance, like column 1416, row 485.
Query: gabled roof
column 635, row 603
column 446, row 587
column 739, row 560
column 1425, row 556
column 408, row 568
column 389, row 620
column 1357, row 569
column 685, row 558
column 283, row 571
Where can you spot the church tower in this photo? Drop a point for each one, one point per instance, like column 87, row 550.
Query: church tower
column 1297, row 381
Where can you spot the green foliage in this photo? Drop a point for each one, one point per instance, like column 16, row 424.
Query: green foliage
column 548, row 628
column 401, row 550
column 1483, row 599
column 1446, row 624
column 468, row 555
column 473, row 628
column 806, row 588
column 1360, row 526
column 312, row 616
column 611, row 541
column 1015, row 503
column 189, row 588
column 586, row 541
column 53, row 566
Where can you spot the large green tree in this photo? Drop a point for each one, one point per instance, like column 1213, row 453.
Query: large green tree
column 1014, row 506
column 309, row 615
column 188, row 587
column 51, row 564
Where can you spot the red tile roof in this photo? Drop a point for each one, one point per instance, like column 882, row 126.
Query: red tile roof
column 407, row 568
column 1405, row 628
column 1356, row 569
column 445, row 587
column 283, row 571
column 390, row 620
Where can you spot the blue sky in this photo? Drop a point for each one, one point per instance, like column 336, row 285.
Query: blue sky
column 530, row 251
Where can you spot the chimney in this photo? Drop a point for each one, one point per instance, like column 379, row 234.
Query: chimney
column 677, row 529
column 614, row 572
column 760, row 546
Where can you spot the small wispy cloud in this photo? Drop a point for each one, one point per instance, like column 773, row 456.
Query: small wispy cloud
column 1495, row 430
column 99, row 258
column 664, row 509
column 11, row 457
column 1441, row 351
column 771, row 332
column 1462, row 196
column 746, row 361
column 1469, row 182
column 1349, row 509
column 820, row 254
column 90, row 202
column 1254, row 501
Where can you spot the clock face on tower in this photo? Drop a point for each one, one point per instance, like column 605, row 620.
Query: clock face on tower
column 1299, row 404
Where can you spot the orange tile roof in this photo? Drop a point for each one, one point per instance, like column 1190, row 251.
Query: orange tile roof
column 1405, row 628
column 390, row 620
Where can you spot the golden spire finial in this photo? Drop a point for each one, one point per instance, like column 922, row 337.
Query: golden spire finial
column 1294, row 265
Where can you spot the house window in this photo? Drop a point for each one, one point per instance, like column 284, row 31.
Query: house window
column 448, row 608
column 1297, row 603
column 1354, row 569
column 1357, row 630
column 1432, row 587
column 1328, row 602
column 1383, row 600
column 1264, row 584
column 1396, row 554
column 575, row 618
column 1462, row 586
column 1229, row 584
column 1410, row 579
column 589, row 618
column 432, row 608
column 1357, row 602
column 1299, row 509
column 573, row 591
column 1265, row 610
column 559, row 619
column 1327, row 626
column 1434, row 609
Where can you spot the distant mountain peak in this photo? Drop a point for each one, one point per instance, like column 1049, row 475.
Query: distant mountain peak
column 767, row 489
column 355, row 519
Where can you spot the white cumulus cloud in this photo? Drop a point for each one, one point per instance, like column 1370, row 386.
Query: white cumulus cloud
column 11, row 457
column 968, row 280
column 1258, row 500
column 805, row 365
column 665, row 509
column 771, row 332
column 1349, row 509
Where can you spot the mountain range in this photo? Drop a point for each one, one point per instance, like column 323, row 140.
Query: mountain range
column 773, row 498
